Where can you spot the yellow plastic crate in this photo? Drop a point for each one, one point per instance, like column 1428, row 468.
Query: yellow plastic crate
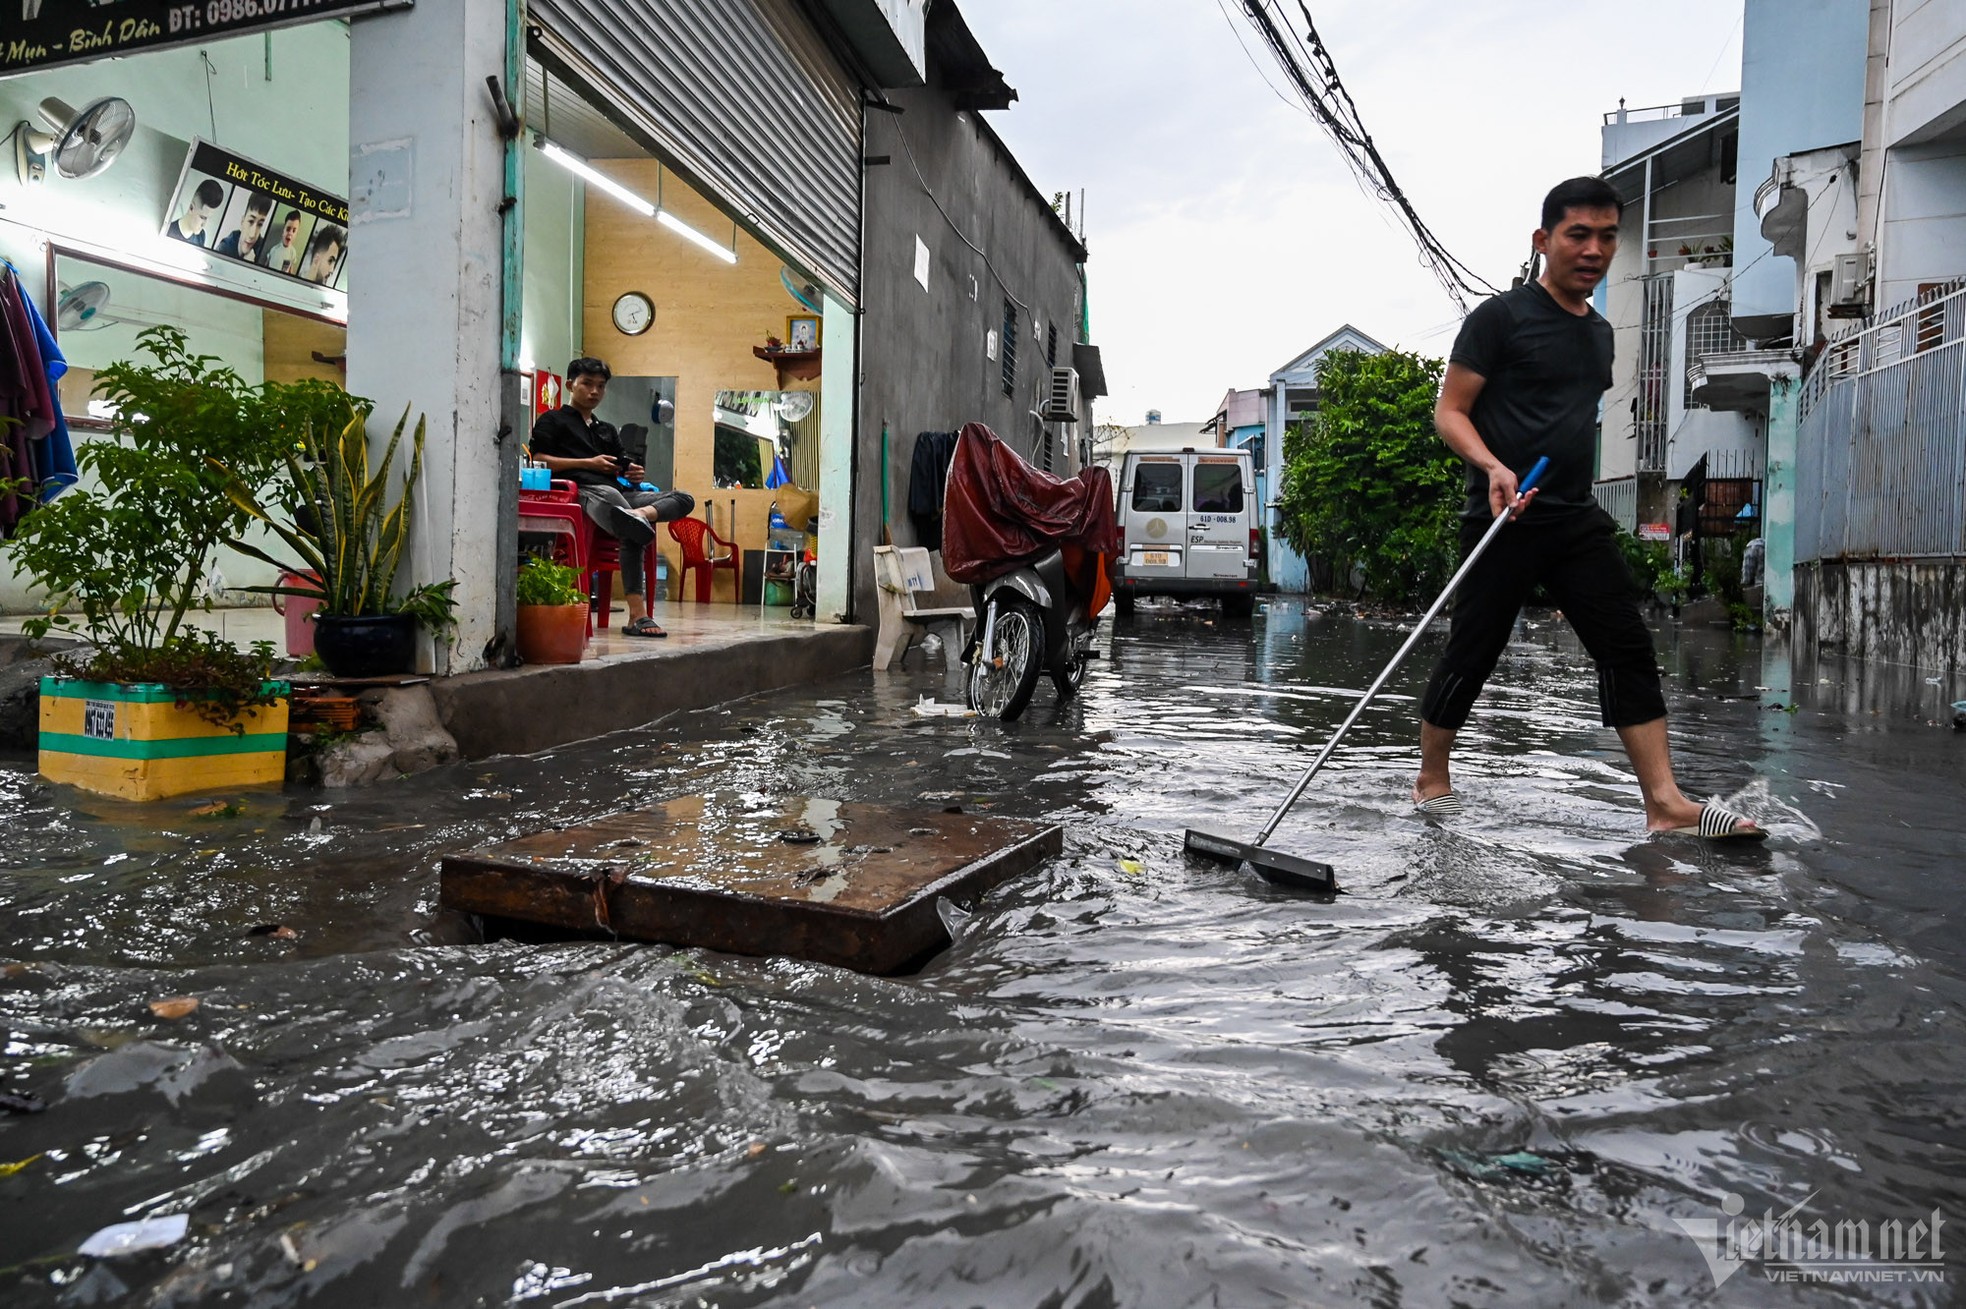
column 132, row 740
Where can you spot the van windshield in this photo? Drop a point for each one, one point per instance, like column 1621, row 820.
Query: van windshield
column 1157, row 488
column 1218, row 488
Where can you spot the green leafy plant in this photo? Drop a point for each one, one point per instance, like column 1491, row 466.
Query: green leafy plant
column 543, row 582
column 1650, row 562
column 1368, row 482
column 336, row 514
column 205, row 673
column 126, row 555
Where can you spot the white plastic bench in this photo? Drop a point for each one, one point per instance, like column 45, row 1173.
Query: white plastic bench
column 900, row 573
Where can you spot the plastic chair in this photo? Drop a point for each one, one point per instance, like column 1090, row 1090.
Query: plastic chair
column 689, row 534
column 603, row 562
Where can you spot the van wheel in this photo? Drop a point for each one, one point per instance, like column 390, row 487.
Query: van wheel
column 1001, row 690
column 1238, row 606
column 1123, row 603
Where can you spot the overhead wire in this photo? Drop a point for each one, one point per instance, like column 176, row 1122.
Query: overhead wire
column 1313, row 72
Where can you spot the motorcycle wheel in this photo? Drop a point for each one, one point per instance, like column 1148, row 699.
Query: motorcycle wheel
column 1001, row 691
column 1069, row 678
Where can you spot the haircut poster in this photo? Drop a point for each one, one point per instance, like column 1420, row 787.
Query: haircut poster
column 241, row 210
column 46, row 33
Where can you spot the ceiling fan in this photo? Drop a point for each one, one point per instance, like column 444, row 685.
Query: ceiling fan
column 80, row 143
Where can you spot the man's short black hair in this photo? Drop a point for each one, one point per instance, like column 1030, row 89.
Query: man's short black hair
column 259, row 203
column 1579, row 193
column 209, row 194
column 586, row 366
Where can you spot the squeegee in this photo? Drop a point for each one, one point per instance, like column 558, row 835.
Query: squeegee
column 1308, row 874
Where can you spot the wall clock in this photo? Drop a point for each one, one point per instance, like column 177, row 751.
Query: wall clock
column 634, row 313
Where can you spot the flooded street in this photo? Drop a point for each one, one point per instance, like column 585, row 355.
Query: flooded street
column 1494, row 1072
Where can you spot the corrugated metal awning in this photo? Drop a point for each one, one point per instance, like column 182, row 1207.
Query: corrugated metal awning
column 742, row 98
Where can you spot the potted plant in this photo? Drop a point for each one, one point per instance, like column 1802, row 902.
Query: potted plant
column 337, row 516
column 157, row 708
column 552, row 613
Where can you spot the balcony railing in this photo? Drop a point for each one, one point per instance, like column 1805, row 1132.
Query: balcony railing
column 1693, row 108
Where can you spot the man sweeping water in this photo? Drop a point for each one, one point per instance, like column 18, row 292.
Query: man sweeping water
column 1524, row 382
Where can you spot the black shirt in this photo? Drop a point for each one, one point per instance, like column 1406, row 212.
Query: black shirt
column 1546, row 371
column 564, row 435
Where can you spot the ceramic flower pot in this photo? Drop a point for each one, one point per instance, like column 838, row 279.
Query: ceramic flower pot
column 368, row 645
column 552, row 634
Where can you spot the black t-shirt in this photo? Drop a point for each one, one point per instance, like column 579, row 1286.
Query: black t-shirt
column 564, row 435
column 1546, row 371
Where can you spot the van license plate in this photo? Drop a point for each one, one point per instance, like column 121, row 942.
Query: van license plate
column 1153, row 558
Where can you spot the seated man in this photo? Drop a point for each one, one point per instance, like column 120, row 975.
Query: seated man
column 582, row 449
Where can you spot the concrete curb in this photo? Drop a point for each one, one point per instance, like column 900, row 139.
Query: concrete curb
column 522, row 710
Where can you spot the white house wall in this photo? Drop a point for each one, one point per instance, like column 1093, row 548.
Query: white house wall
column 1923, row 232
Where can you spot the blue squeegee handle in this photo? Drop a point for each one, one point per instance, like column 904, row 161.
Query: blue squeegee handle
column 1413, row 638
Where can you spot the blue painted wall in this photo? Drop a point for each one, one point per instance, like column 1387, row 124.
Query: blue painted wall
column 1802, row 87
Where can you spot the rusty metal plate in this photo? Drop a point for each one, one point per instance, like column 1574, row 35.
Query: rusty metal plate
column 828, row 880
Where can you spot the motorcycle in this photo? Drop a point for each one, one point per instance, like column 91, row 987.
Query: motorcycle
column 1033, row 549
column 1034, row 619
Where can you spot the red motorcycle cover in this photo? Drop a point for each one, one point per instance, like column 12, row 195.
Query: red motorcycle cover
column 999, row 512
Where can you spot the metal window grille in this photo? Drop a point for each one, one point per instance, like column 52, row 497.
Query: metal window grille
column 1051, row 346
column 1654, row 357
column 1009, row 347
column 1710, row 331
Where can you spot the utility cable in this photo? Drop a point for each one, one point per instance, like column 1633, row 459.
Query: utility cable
column 1309, row 66
column 933, row 199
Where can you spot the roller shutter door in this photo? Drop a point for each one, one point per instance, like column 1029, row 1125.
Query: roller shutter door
column 744, row 98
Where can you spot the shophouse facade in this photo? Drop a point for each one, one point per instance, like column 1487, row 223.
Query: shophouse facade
column 670, row 187
column 1291, row 397
column 1861, row 383
column 1666, row 297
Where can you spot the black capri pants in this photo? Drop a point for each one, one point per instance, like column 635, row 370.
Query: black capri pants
column 1575, row 556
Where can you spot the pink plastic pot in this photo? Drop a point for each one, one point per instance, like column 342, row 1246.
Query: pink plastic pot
column 299, row 613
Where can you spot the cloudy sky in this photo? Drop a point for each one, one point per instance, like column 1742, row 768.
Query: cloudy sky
column 1227, row 234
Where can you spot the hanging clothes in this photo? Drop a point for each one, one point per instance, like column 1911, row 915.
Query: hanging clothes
column 25, row 403
column 927, row 475
column 54, row 457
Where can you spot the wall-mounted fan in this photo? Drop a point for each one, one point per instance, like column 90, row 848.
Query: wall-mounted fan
column 800, row 289
column 78, row 143
column 794, row 406
column 84, row 307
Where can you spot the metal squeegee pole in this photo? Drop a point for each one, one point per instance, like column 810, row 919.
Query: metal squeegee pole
column 1412, row 639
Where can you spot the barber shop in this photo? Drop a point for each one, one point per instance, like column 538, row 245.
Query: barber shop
column 445, row 208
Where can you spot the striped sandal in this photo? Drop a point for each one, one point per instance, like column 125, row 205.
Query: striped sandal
column 1441, row 806
column 1719, row 823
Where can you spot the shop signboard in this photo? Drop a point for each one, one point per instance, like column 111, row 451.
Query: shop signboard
column 50, row 33
column 236, row 208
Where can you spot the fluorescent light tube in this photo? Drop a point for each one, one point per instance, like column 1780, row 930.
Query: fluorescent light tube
column 688, row 233
column 586, row 171
column 581, row 168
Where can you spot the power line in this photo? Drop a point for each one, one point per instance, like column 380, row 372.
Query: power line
column 1314, row 74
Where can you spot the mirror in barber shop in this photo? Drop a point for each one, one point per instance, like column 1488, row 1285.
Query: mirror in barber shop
column 767, row 439
column 643, row 411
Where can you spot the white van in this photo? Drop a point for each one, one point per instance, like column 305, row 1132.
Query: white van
column 1189, row 518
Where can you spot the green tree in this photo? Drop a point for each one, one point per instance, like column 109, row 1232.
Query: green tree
column 1367, row 481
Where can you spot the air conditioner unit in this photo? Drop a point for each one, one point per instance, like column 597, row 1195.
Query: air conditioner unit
column 1061, row 403
column 1849, row 286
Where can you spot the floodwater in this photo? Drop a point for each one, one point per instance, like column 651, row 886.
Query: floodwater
column 1502, row 1069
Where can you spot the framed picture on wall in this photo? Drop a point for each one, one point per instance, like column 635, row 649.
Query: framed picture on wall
column 802, row 332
